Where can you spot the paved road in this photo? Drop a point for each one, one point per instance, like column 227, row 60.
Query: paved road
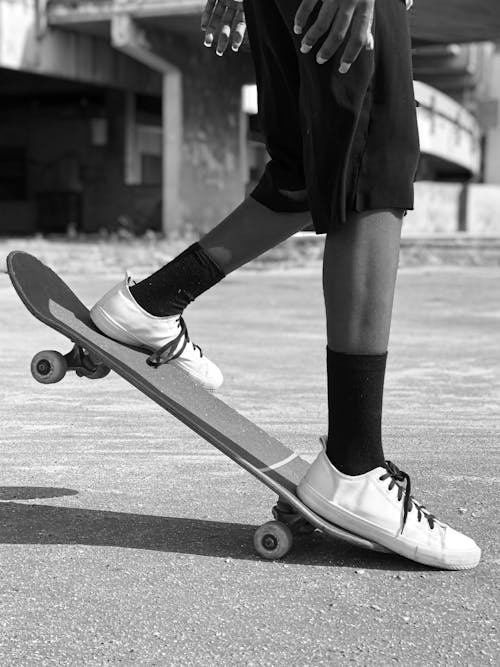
column 127, row 540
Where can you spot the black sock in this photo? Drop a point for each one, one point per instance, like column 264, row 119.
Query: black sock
column 175, row 285
column 355, row 391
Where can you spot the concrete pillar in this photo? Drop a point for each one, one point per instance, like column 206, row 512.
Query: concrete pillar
column 172, row 106
column 128, row 37
column 131, row 156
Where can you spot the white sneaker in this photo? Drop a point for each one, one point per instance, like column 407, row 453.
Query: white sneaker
column 119, row 316
column 379, row 507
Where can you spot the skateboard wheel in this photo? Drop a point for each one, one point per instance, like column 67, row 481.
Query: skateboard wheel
column 48, row 367
column 273, row 540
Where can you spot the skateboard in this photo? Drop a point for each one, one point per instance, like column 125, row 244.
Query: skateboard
column 93, row 355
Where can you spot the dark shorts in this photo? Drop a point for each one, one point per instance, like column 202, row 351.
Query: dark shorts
column 350, row 139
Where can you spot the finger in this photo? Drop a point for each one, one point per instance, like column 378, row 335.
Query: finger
column 239, row 35
column 357, row 40
column 224, row 35
column 218, row 9
column 209, row 37
column 214, row 22
column 320, row 26
column 302, row 15
column 370, row 42
column 336, row 36
column 233, row 15
column 207, row 13
column 238, row 28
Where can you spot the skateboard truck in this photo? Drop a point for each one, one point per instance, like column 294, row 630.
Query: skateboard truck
column 285, row 513
column 50, row 366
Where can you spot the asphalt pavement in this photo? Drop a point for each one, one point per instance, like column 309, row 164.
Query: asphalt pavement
column 125, row 539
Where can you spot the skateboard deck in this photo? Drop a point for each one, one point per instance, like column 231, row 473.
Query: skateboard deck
column 52, row 302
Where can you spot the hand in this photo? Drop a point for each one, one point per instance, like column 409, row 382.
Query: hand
column 227, row 19
column 335, row 19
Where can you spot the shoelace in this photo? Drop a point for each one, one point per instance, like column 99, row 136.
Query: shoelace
column 398, row 477
column 169, row 351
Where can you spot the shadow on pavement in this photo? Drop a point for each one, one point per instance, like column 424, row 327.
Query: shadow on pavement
column 33, row 492
column 43, row 524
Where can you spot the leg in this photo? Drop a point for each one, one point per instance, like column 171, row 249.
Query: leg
column 247, row 232
column 359, row 277
column 360, row 267
column 362, row 492
column 278, row 206
column 149, row 313
column 250, row 230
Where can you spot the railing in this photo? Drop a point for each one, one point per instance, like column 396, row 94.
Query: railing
column 137, row 8
column 447, row 130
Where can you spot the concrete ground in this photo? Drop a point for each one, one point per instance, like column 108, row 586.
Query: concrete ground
column 126, row 539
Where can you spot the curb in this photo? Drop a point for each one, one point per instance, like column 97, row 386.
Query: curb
column 143, row 255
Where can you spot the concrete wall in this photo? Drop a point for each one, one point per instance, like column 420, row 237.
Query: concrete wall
column 211, row 178
column 483, row 209
column 436, row 211
column 446, row 208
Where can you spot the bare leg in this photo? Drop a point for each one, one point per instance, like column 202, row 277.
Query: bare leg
column 250, row 230
column 359, row 277
column 247, row 232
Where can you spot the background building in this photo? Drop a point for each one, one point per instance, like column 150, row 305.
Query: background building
column 113, row 115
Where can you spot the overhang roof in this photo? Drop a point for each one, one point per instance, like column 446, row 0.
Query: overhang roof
column 455, row 21
column 432, row 21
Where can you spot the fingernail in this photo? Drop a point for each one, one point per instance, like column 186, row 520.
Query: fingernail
column 305, row 48
column 344, row 68
column 220, row 53
column 320, row 60
column 208, row 41
column 297, row 29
